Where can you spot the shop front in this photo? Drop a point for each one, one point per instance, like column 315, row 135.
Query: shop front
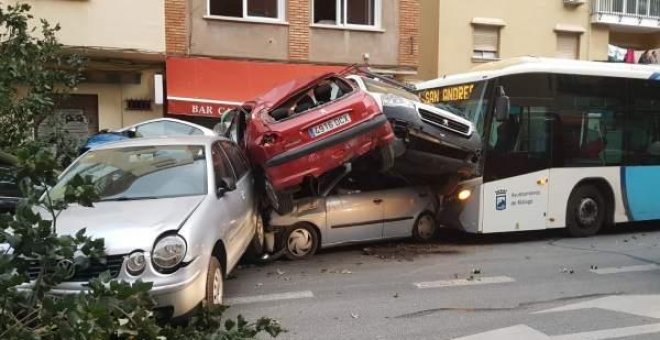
column 201, row 89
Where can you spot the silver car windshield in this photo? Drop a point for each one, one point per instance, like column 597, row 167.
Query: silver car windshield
column 144, row 172
column 381, row 87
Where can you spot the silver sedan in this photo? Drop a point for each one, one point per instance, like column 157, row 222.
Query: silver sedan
column 353, row 209
column 178, row 212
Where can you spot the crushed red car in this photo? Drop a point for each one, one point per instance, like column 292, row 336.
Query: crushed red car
column 305, row 128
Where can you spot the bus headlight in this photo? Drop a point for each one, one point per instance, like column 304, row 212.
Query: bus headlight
column 464, row 194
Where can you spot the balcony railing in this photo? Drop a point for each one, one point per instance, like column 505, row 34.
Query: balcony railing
column 631, row 8
column 641, row 13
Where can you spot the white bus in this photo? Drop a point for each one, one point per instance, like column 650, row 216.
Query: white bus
column 571, row 144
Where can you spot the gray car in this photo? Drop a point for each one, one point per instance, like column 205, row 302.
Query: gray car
column 356, row 208
column 178, row 212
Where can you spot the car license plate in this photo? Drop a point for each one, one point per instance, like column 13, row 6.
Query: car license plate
column 329, row 125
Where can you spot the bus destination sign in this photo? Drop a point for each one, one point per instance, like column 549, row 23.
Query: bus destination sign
column 447, row 94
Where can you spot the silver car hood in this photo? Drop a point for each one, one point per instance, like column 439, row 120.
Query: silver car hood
column 127, row 225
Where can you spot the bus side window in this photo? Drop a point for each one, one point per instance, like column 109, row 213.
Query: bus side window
column 643, row 130
column 592, row 111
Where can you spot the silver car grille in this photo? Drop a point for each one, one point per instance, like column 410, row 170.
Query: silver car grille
column 443, row 122
column 112, row 264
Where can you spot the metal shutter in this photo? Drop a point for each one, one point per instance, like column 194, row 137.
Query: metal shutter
column 568, row 45
column 486, row 38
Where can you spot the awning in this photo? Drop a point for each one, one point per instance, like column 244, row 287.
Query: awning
column 207, row 87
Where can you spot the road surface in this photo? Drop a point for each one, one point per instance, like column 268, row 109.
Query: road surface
column 538, row 285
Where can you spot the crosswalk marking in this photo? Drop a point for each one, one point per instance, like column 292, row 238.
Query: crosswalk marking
column 626, row 269
column 465, row 282
column 241, row 300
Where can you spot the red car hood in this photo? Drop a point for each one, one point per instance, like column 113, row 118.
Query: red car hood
column 285, row 91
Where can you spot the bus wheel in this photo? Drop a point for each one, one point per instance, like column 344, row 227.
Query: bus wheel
column 586, row 211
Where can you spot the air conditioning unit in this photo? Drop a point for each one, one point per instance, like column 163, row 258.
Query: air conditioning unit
column 573, row 2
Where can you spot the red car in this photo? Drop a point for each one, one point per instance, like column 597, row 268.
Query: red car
column 305, row 128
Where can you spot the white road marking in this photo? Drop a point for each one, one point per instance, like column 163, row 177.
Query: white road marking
column 509, row 333
column 241, row 300
column 614, row 333
column 641, row 305
column 626, row 269
column 528, row 333
column 465, row 282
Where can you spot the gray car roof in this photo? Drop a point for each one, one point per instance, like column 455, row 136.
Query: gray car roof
column 165, row 140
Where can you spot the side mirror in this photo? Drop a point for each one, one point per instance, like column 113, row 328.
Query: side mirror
column 502, row 105
column 224, row 185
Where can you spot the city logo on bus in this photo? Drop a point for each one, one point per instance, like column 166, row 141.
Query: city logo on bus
column 500, row 199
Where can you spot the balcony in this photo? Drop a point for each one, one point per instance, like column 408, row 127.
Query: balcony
column 628, row 15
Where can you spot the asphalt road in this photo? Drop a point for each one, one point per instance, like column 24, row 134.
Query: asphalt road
column 465, row 286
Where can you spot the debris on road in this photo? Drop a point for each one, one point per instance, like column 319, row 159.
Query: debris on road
column 476, row 271
column 280, row 272
column 593, row 267
column 354, row 316
column 396, row 295
column 346, row 271
column 406, row 251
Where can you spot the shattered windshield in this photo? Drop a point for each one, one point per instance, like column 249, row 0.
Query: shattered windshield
column 467, row 100
column 381, row 87
column 141, row 172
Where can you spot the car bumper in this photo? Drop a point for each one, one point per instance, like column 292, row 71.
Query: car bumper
column 288, row 169
column 179, row 292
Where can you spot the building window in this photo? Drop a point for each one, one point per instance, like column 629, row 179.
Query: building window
column 568, row 45
column 486, row 41
column 260, row 10
column 347, row 12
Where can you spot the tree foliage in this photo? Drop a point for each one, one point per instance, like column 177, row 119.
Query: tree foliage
column 35, row 72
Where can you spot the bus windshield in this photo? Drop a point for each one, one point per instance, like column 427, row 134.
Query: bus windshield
column 468, row 100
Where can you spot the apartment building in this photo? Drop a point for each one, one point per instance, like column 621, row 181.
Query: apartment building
column 224, row 52
column 458, row 35
column 124, row 41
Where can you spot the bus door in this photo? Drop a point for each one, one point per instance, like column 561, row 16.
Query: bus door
column 519, row 155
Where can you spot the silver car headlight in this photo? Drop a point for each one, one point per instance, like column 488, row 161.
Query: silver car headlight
column 136, row 263
column 168, row 252
column 394, row 100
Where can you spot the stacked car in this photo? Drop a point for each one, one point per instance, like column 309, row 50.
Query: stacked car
column 351, row 158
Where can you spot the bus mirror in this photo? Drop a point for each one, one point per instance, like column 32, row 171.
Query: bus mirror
column 502, row 105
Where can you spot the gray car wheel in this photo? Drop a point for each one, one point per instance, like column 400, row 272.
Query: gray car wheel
column 300, row 241
column 425, row 228
column 214, row 282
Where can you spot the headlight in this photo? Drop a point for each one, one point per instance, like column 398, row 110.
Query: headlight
column 136, row 263
column 168, row 252
column 394, row 100
column 464, row 194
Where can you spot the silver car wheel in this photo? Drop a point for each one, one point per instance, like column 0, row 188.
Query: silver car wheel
column 426, row 227
column 217, row 287
column 300, row 242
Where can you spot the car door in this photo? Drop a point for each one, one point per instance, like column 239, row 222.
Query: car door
column 232, row 205
column 246, row 204
column 353, row 213
column 401, row 204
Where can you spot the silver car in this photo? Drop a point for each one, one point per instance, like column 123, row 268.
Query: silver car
column 355, row 209
column 178, row 212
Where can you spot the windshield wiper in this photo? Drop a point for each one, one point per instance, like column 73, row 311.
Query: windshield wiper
column 125, row 198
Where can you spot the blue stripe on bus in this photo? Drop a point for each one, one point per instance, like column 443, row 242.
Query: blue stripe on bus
column 641, row 185
column 655, row 76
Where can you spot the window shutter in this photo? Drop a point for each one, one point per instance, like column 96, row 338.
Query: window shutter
column 486, row 38
column 568, row 45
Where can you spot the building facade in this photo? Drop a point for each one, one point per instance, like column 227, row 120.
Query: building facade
column 124, row 42
column 223, row 52
column 458, row 35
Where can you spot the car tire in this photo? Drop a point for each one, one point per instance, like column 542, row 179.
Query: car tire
column 256, row 247
column 281, row 202
column 425, row 228
column 386, row 155
column 214, row 282
column 586, row 211
column 300, row 242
